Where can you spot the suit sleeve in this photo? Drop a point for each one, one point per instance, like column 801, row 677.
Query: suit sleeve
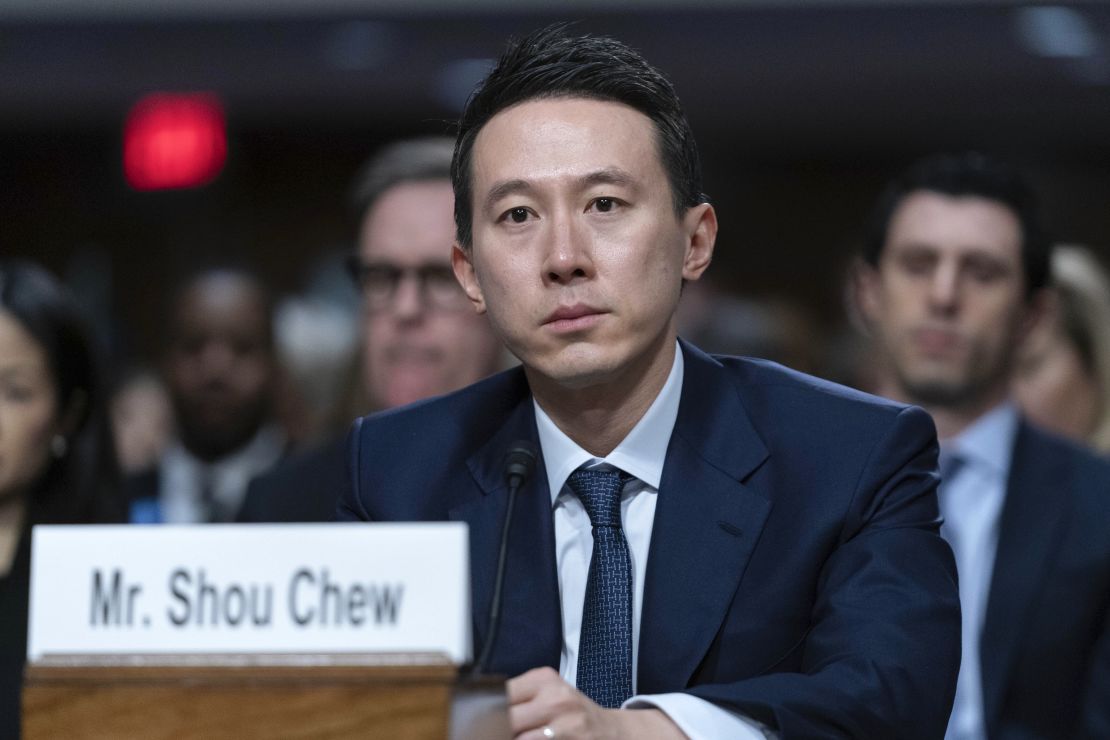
column 350, row 507
column 882, row 653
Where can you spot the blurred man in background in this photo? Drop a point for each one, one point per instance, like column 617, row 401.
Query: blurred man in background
column 220, row 372
column 952, row 278
column 420, row 337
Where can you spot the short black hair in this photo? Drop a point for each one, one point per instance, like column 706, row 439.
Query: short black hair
column 968, row 174
column 549, row 63
column 409, row 160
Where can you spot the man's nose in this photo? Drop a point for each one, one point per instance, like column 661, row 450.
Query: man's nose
column 217, row 357
column 944, row 288
column 569, row 254
column 408, row 300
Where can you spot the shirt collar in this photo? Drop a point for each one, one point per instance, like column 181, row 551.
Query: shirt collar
column 262, row 451
column 989, row 440
column 640, row 453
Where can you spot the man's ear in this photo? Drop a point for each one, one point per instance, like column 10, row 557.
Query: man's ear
column 468, row 279
column 862, row 294
column 700, row 223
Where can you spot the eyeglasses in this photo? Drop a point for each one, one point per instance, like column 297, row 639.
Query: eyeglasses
column 378, row 283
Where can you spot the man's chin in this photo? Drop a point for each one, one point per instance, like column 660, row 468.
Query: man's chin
column 412, row 387
column 939, row 392
column 576, row 374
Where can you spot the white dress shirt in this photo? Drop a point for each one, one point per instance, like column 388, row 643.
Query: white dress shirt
column 971, row 502
column 182, row 477
column 640, row 454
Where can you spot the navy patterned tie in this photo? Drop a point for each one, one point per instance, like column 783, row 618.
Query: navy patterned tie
column 605, row 642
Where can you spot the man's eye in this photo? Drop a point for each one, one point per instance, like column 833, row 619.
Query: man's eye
column 16, row 393
column 917, row 264
column 517, row 215
column 985, row 272
column 604, row 205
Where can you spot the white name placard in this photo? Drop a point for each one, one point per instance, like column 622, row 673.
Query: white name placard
column 262, row 588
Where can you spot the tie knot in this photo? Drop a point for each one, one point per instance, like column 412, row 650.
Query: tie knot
column 599, row 490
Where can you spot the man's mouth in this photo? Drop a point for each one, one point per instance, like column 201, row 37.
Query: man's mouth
column 937, row 341
column 574, row 318
column 409, row 354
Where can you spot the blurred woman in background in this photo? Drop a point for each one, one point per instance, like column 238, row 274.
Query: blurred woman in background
column 1063, row 376
column 56, row 458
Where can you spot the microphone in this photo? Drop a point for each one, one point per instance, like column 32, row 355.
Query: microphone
column 520, row 463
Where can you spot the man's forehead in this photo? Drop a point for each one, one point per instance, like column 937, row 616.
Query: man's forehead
column 411, row 222
column 246, row 320
column 220, row 294
column 564, row 137
column 955, row 221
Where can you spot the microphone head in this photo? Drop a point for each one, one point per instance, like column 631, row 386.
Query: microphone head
column 520, row 462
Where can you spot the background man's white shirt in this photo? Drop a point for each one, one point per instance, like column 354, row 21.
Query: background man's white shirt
column 971, row 503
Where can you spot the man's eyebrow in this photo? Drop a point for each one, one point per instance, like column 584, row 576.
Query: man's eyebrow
column 609, row 176
column 505, row 188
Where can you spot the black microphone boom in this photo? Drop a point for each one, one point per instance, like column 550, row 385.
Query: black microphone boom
column 519, row 466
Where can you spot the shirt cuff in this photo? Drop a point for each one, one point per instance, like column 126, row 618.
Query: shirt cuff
column 700, row 719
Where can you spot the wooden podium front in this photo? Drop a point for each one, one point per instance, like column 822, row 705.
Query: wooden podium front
column 407, row 697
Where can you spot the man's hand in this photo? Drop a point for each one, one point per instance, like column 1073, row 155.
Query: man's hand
column 540, row 699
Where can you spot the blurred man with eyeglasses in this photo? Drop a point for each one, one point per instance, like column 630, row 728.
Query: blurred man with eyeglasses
column 420, row 338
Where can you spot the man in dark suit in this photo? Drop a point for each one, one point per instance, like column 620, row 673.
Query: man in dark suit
column 954, row 275
column 707, row 547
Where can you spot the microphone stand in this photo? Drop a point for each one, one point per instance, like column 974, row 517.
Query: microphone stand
column 519, row 464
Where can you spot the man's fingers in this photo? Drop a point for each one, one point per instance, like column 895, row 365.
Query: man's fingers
column 525, row 686
column 530, row 715
column 537, row 699
column 537, row 734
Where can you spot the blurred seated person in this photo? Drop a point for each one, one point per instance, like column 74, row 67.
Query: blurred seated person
column 220, row 372
column 316, row 339
column 420, row 338
column 1063, row 372
column 142, row 420
column 56, row 460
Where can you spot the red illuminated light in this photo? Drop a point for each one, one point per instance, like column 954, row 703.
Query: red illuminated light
column 174, row 141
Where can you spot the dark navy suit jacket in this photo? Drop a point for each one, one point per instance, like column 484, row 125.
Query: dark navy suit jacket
column 795, row 571
column 301, row 488
column 1045, row 648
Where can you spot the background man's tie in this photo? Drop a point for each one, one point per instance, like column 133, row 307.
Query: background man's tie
column 605, row 642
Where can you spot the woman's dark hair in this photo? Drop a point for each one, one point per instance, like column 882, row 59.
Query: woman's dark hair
column 551, row 64
column 969, row 174
column 83, row 484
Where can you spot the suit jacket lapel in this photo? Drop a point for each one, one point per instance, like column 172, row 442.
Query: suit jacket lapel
column 1029, row 532
column 530, row 634
column 708, row 518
